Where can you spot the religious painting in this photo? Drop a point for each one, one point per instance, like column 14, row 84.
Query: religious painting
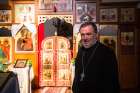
column 63, row 68
column 63, row 44
column 47, row 74
column 110, row 30
column 24, row 40
column 63, row 74
column 108, row 36
column 63, row 58
column 85, row 11
column 47, row 58
column 127, row 43
column 127, row 15
column 108, row 15
column 56, row 5
column 47, row 65
column 127, row 38
column 24, row 13
column 110, row 41
column 6, row 50
column 5, row 16
column 20, row 63
column 47, row 44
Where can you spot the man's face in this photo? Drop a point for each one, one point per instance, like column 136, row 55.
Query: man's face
column 88, row 36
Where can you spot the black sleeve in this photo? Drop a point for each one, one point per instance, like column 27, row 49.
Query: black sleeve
column 111, row 79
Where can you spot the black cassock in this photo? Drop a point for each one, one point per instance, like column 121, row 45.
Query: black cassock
column 100, row 70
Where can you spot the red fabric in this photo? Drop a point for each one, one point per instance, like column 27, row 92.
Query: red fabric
column 40, row 38
column 41, row 30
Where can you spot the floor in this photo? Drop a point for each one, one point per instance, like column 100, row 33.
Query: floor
column 68, row 90
column 52, row 90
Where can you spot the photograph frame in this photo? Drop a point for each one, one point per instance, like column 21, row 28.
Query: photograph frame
column 6, row 50
column 56, row 6
column 108, row 15
column 127, row 38
column 20, row 63
column 127, row 43
column 5, row 16
column 24, row 13
column 25, row 39
column 108, row 36
column 127, row 15
column 108, row 29
column 19, row 47
column 85, row 11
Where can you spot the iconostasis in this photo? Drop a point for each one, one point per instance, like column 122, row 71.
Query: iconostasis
column 54, row 68
column 23, row 28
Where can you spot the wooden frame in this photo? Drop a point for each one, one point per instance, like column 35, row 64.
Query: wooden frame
column 127, row 38
column 56, row 5
column 127, row 43
column 20, row 63
column 108, row 15
column 85, row 11
column 110, row 30
column 5, row 16
column 108, row 36
column 24, row 13
column 127, row 15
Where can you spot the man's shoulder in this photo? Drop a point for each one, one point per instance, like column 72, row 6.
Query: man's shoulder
column 104, row 48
